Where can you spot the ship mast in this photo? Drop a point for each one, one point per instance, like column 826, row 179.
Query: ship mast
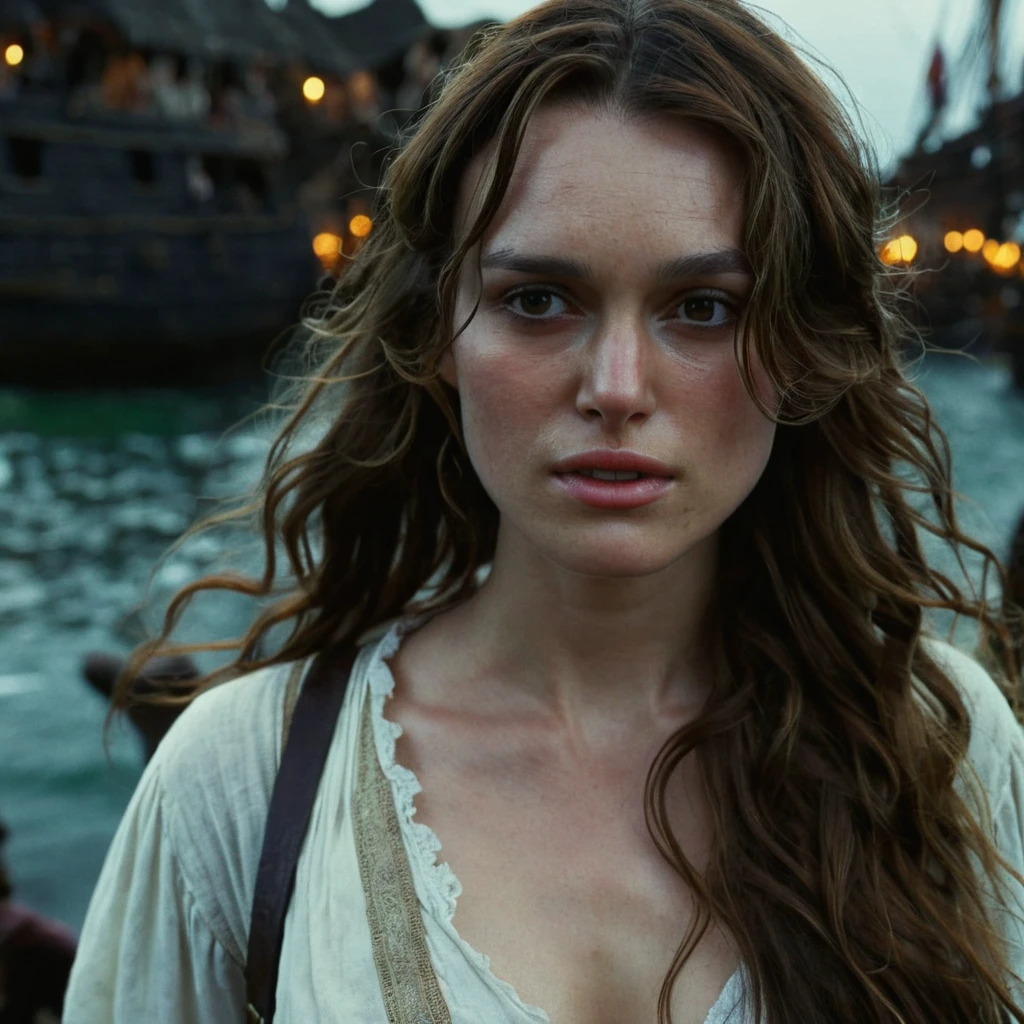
column 995, row 10
column 993, row 120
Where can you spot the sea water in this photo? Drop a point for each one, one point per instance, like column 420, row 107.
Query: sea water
column 94, row 490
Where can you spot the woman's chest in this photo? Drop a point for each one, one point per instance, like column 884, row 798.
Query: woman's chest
column 562, row 886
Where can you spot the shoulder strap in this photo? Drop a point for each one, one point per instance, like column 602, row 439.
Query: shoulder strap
column 291, row 803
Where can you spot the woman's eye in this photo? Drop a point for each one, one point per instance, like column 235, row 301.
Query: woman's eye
column 542, row 304
column 706, row 310
column 535, row 303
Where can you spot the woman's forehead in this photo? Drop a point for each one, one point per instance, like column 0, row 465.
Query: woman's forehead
column 584, row 174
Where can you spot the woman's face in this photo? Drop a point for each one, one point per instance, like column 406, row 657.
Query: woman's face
column 611, row 281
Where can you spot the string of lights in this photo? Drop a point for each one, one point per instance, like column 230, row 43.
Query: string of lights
column 1002, row 257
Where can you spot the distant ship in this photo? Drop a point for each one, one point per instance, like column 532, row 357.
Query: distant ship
column 112, row 268
column 150, row 228
column 962, row 222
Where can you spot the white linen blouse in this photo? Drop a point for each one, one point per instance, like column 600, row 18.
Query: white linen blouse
column 165, row 935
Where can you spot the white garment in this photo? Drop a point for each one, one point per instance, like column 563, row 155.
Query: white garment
column 166, row 931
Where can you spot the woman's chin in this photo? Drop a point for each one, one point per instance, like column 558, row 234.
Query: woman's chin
column 616, row 561
column 610, row 550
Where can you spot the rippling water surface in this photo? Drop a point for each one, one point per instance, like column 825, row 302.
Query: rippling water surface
column 94, row 489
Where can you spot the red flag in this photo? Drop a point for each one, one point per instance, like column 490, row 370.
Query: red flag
column 937, row 84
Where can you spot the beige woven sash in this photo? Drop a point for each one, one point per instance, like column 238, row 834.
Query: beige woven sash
column 407, row 980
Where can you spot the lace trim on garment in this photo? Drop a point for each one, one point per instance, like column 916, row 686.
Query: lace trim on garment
column 439, row 888
column 408, row 984
column 444, row 888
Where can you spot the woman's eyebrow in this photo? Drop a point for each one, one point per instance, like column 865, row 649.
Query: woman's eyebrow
column 729, row 260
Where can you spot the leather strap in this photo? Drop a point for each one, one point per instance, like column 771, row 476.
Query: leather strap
column 291, row 803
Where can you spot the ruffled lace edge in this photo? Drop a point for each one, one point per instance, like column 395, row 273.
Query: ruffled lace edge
column 440, row 882
column 405, row 785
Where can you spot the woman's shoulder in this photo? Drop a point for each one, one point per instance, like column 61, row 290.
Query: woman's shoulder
column 992, row 718
column 215, row 769
column 996, row 749
column 231, row 731
column 219, row 760
column 208, row 787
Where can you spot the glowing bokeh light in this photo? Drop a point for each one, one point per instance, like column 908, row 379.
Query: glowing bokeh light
column 891, row 251
column 974, row 240
column 327, row 246
column 899, row 250
column 360, row 225
column 1007, row 256
column 14, row 55
column 313, row 89
column 990, row 249
column 954, row 241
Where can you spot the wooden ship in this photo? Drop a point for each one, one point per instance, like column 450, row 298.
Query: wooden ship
column 962, row 199
column 152, row 165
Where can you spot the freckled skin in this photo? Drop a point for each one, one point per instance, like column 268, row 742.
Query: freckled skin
column 616, row 364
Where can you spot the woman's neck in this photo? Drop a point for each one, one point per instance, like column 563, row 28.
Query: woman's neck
column 588, row 649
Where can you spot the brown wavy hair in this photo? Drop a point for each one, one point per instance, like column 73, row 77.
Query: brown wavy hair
column 844, row 857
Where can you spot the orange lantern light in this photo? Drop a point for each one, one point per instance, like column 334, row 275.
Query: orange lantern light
column 327, row 247
column 313, row 89
column 974, row 240
column 360, row 225
column 1007, row 256
column 954, row 241
column 899, row 250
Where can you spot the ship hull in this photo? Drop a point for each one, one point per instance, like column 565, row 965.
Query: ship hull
column 136, row 250
column 96, row 302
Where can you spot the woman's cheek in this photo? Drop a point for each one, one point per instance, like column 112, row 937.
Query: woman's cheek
column 721, row 425
column 501, row 412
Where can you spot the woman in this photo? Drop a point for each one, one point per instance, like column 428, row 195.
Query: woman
column 613, row 468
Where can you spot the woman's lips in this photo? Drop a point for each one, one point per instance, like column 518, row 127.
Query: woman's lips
column 613, row 494
column 614, row 459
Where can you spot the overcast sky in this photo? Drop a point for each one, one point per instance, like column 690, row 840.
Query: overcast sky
column 881, row 48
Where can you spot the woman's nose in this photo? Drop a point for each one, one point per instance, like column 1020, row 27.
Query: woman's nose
column 615, row 381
